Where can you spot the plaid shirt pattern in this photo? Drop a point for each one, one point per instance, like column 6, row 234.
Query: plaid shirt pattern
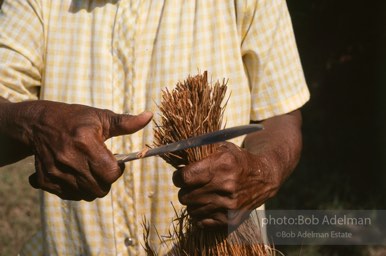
column 119, row 55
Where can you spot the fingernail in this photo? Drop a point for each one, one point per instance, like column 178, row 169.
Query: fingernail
column 146, row 113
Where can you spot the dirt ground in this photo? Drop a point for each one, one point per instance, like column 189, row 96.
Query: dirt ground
column 19, row 207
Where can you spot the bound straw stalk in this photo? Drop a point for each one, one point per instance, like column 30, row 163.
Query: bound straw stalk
column 193, row 108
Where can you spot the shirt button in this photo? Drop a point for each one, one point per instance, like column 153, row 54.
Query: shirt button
column 129, row 241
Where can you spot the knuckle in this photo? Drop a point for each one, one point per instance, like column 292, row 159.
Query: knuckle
column 54, row 173
column 107, row 170
column 233, row 205
column 230, row 187
column 177, row 178
column 62, row 156
column 103, row 191
column 228, row 159
column 112, row 123
column 183, row 197
column 65, row 154
column 81, row 137
column 226, row 163
column 186, row 177
column 111, row 175
column 52, row 188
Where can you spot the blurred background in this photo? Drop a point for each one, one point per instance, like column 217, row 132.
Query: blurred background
column 342, row 45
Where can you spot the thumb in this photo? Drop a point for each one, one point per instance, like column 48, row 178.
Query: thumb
column 121, row 124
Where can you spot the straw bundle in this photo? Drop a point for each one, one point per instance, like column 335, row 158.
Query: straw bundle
column 193, row 108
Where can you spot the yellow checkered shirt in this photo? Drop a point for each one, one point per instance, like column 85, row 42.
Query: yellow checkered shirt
column 119, row 55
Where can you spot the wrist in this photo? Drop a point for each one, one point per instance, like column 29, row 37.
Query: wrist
column 278, row 145
column 270, row 170
column 17, row 121
column 13, row 139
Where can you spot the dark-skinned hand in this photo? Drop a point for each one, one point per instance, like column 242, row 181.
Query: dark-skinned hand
column 67, row 140
column 222, row 189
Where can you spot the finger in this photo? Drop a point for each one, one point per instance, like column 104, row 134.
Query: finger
column 66, row 184
column 91, row 188
column 40, row 179
column 121, row 124
column 78, row 184
column 229, row 147
column 89, row 167
column 61, row 190
column 56, row 177
column 213, row 208
column 208, row 216
column 206, row 196
column 213, row 223
column 177, row 179
column 103, row 165
column 70, row 196
column 37, row 179
column 33, row 180
column 193, row 175
column 205, row 171
column 84, row 178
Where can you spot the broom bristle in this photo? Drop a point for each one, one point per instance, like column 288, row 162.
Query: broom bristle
column 193, row 108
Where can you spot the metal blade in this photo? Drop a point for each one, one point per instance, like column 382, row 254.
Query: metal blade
column 205, row 139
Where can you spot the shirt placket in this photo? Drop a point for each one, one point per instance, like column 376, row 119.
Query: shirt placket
column 123, row 50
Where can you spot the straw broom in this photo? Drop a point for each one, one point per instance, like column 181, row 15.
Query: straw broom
column 193, row 108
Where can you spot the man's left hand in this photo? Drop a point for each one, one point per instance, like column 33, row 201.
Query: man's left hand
column 222, row 189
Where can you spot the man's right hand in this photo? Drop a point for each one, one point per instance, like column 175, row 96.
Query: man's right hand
column 67, row 140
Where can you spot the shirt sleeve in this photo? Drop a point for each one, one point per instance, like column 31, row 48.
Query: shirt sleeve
column 21, row 50
column 271, row 59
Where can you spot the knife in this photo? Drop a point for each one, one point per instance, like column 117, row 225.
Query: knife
column 205, row 139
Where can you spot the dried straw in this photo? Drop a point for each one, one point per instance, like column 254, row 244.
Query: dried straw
column 193, row 108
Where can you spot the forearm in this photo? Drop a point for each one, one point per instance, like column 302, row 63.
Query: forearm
column 279, row 145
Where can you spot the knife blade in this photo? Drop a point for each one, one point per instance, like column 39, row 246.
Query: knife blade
column 201, row 140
